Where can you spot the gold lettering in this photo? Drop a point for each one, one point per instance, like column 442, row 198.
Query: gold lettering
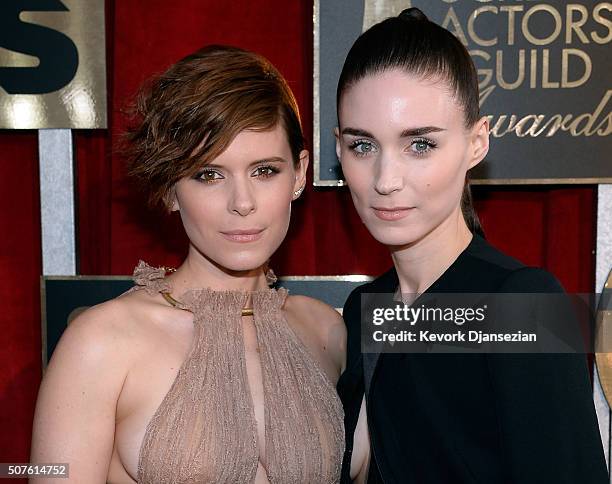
column 566, row 120
column 511, row 25
column 588, row 67
column 575, row 25
column 546, row 84
column 521, row 124
column 590, row 118
column 487, row 73
column 451, row 18
column 606, row 22
column 533, row 69
column 484, row 94
column 499, row 70
column 475, row 37
column 496, row 130
column 541, row 8
column 556, row 122
column 605, row 132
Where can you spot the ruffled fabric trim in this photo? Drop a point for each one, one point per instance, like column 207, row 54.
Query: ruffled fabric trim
column 151, row 279
column 271, row 277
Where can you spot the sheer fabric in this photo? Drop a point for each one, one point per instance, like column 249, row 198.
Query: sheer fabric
column 205, row 431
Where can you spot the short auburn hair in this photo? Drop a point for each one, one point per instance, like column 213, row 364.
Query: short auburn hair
column 186, row 117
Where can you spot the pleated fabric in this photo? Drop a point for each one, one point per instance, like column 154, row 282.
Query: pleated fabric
column 205, row 430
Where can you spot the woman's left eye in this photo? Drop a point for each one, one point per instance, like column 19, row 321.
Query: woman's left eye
column 362, row 147
column 420, row 146
column 266, row 171
column 208, row 176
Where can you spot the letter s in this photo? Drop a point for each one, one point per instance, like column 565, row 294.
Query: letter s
column 58, row 56
column 600, row 19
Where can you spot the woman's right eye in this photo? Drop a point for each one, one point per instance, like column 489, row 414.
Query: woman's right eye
column 362, row 147
column 208, row 176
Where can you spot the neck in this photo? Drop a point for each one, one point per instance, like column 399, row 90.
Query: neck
column 198, row 271
column 420, row 263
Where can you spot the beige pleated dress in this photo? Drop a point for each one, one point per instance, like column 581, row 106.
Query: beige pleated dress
column 205, row 431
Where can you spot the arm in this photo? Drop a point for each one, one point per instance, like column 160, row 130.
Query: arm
column 544, row 401
column 74, row 421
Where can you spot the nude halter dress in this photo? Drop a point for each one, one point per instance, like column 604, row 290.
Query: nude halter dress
column 204, row 431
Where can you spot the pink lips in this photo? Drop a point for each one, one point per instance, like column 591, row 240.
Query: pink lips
column 248, row 235
column 392, row 213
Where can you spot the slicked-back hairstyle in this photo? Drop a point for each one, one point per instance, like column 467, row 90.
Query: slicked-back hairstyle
column 413, row 44
column 187, row 116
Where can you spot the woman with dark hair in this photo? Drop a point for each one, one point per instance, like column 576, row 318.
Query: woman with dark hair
column 409, row 131
column 205, row 375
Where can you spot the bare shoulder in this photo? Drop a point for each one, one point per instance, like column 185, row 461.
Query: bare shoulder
column 97, row 325
column 115, row 318
column 324, row 321
column 105, row 333
column 97, row 335
column 322, row 316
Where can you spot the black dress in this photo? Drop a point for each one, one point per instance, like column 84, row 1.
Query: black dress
column 472, row 418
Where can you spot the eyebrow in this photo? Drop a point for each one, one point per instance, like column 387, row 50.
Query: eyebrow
column 272, row 159
column 404, row 134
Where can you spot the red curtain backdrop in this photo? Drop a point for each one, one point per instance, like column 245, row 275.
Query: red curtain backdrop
column 548, row 226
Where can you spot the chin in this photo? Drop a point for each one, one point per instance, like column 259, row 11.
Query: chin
column 241, row 262
column 395, row 236
column 240, row 258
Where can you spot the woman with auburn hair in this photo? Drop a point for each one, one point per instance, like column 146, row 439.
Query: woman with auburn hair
column 409, row 131
column 206, row 374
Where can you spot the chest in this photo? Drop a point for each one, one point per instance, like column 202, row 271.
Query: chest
column 159, row 355
column 153, row 378
column 206, row 403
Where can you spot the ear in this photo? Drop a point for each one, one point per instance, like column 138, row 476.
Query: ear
column 337, row 136
column 479, row 141
column 300, row 172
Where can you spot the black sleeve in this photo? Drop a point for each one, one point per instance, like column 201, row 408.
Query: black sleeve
column 350, row 385
column 547, row 418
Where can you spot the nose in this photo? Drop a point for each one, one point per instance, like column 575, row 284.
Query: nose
column 242, row 201
column 387, row 178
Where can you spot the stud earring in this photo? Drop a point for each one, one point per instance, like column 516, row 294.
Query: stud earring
column 298, row 192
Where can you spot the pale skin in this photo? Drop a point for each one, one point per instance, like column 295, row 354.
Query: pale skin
column 405, row 151
column 116, row 361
